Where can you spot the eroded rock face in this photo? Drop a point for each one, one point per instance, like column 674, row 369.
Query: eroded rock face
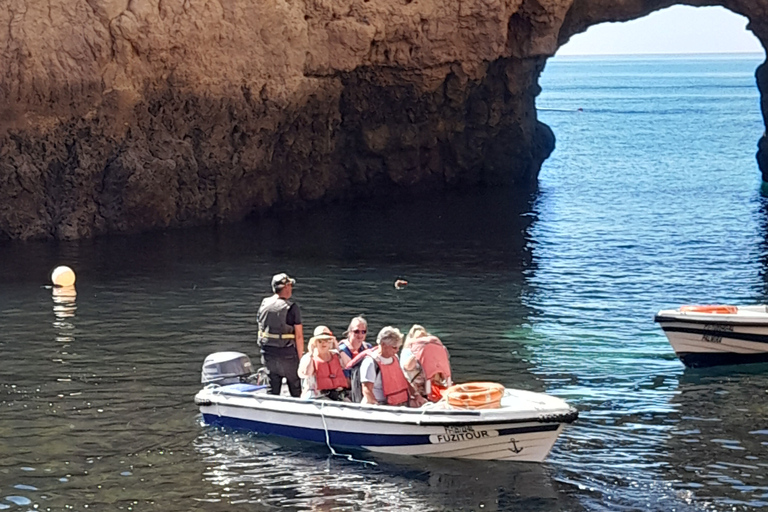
column 130, row 115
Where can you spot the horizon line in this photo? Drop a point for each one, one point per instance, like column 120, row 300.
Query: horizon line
column 657, row 54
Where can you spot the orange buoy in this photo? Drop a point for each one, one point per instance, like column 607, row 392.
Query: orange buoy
column 475, row 395
column 401, row 283
column 710, row 308
column 63, row 276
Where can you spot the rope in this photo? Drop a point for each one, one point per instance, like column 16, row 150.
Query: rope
column 349, row 457
column 424, row 408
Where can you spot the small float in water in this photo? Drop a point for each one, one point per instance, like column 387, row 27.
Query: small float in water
column 713, row 335
column 523, row 427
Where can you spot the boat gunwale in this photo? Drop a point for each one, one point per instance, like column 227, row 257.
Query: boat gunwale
column 483, row 423
column 417, row 417
column 712, row 319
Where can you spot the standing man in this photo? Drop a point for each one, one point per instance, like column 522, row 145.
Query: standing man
column 281, row 336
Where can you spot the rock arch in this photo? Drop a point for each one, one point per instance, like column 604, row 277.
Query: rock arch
column 585, row 13
column 131, row 115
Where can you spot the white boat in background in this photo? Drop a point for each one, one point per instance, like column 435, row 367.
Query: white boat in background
column 523, row 428
column 712, row 335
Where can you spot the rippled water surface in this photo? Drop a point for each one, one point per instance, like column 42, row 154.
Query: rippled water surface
column 650, row 200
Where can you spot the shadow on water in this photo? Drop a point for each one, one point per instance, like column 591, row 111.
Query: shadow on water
column 467, row 271
column 458, row 232
column 97, row 389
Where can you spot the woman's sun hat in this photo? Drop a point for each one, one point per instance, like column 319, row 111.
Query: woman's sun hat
column 321, row 333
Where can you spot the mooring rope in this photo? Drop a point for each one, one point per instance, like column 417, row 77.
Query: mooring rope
column 347, row 456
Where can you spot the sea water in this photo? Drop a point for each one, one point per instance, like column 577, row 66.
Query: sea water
column 650, row 200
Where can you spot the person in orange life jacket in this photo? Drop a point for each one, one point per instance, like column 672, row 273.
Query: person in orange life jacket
column 321, row 368
column 425, row 363
column 382, row 378
column 355, row 342
column 281, row 336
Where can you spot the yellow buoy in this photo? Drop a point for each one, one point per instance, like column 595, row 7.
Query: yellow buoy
column 63, row 276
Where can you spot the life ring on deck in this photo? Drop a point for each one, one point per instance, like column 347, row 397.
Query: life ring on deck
column 475, row 395
column 710, row 308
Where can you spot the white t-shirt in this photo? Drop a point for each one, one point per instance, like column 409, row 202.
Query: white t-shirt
column 308, row 384
column 368, row 373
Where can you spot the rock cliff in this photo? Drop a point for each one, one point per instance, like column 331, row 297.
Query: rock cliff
column 130, row 115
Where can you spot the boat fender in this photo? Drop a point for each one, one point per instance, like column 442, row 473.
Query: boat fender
column 475, row 395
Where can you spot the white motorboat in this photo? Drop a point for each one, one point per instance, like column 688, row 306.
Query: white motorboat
column 713, row 335
column 523, row 428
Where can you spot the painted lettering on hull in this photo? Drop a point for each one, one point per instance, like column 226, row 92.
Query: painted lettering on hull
column 713, row 337
column 463, row 433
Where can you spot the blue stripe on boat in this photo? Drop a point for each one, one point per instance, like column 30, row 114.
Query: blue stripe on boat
column 317, row 435
column 708, row 359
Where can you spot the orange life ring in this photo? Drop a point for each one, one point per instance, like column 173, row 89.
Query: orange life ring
column 711, row 308
column 475, row 395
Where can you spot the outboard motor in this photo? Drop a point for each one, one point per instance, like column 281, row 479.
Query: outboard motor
column 224, row 368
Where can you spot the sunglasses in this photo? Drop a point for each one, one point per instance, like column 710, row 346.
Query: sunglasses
column 359, row 331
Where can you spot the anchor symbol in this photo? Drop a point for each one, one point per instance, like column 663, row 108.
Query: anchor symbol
column 514, row 446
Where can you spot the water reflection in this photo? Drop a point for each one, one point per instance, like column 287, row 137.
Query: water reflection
column 762, row 223
column 247, row 468
column 719, row 440
column 64, row 304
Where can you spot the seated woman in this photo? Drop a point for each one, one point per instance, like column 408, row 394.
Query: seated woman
column 426, row 363
column 355, row 342
column 321, row 368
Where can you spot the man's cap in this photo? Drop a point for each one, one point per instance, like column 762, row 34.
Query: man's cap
column 280, row 280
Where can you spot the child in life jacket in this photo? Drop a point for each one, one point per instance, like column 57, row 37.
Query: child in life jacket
column 426, row 363
column 322, row 367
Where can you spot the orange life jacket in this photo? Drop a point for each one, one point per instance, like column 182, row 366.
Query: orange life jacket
column 393, row 382
column 432, row 356
column 329, row 374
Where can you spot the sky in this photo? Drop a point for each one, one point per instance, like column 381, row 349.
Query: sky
column 677, row 29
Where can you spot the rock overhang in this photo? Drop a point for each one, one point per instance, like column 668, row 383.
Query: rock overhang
column 128, row 116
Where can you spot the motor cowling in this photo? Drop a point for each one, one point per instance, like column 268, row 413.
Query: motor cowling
column 226, row 368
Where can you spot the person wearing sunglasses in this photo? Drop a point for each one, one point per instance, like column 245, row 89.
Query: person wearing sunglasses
column 355, row 342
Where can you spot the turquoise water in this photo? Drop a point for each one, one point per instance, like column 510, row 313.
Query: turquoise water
column 651, row 199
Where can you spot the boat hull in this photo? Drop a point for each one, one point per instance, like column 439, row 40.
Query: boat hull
column 704, row 340
column 401, row 431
